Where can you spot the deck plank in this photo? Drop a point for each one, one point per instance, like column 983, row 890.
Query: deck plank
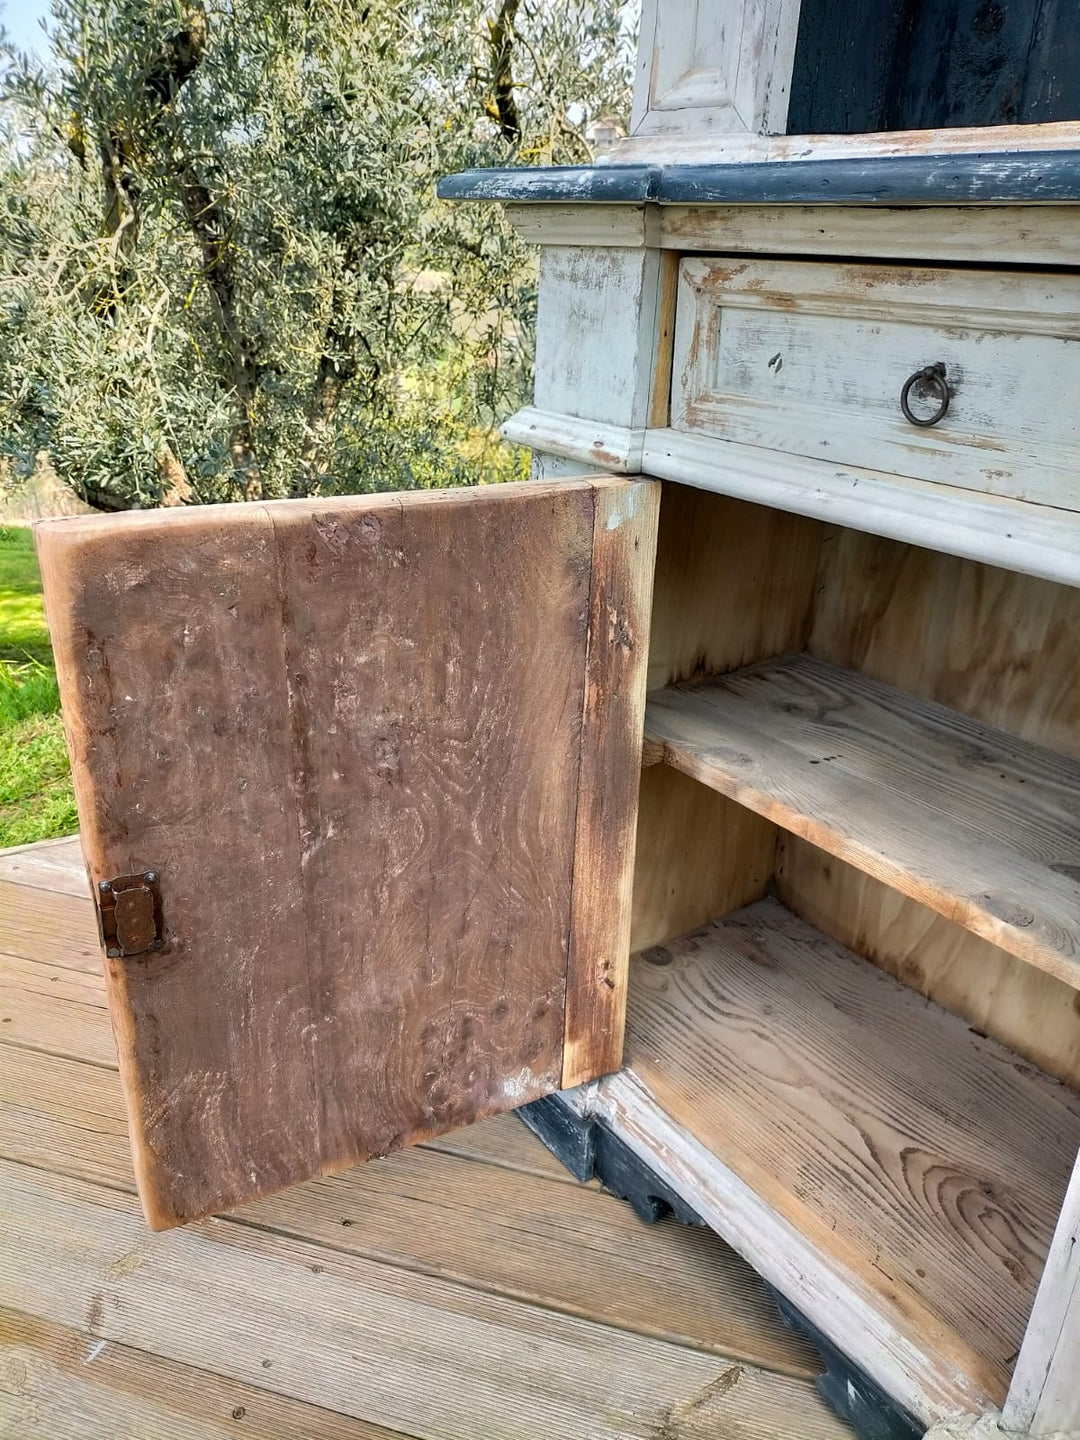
column 62, row 1012
column 59, row 1383
column 579, row 1251
column 49, row 926
column 410, row 1351
column 47, row 865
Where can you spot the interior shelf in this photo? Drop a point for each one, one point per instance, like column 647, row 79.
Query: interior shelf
column 970, row 821
column 921, row 1165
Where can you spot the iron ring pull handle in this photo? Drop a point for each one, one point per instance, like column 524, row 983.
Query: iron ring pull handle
column 932, row 376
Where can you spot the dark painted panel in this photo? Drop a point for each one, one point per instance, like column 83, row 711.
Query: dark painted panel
column 867, row 65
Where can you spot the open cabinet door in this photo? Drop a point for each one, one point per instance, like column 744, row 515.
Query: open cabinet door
column 357, row 781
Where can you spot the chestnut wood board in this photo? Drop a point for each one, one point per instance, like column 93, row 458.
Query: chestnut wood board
column 907, row 1150
column 970, row 821
column 358, row 740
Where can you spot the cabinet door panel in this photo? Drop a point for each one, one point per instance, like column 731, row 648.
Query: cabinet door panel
column 377, row 754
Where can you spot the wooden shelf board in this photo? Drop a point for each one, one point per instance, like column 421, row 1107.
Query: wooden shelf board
column 897, row 1174
column 966, row 819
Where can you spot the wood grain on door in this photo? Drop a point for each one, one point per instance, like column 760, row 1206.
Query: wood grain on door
column 357, row 740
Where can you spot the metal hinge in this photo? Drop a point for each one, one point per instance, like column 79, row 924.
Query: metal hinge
column 129, row 914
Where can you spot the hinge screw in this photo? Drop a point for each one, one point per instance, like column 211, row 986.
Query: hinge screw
column 113, row 953
column 150, row 876
column 105, row 886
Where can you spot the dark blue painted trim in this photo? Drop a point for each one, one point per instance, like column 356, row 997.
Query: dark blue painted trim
column 615, row 184
column 985, row 176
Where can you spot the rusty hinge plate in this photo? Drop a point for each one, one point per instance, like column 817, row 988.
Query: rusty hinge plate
column 129, row 914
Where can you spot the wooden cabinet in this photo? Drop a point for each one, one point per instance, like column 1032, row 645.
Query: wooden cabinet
column 362, row 776
column 853, row 1029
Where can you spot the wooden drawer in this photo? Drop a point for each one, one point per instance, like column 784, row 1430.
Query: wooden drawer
column 811, row 358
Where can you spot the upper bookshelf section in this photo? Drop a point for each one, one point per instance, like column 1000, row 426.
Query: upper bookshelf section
column 713, row 69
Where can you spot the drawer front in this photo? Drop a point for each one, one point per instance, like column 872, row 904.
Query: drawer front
column 812, row 359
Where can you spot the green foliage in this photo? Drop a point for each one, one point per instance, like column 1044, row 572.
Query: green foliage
column 36, row 800
column 23, row 635
column 26, row 691
column 223, row 271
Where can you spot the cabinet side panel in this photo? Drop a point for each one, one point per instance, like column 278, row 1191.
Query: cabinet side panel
column 992, row 643
column 620, row 602
column 734, row 584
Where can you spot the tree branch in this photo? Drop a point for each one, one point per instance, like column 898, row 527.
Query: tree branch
column 502, row 106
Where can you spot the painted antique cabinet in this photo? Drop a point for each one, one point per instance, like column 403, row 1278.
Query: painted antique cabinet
column 794, row 596
column 853, row 360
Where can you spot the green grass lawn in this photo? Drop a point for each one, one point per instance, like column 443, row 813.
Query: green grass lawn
column 36, row 802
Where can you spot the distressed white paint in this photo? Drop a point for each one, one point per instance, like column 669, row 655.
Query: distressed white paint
column 556, row 467
column 613, row 448
column 591, row 225
column 714, row 66
column 983, row 1427
column 939, row 234
column 810, row 358
column 595, row 333
column 1034, row 539
column 1044, row 1397
column 1011, row 234
column 703, row 147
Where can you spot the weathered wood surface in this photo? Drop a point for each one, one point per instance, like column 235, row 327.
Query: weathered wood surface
column 46, row 864
column 709, row 70
column 502, row 1225
column 57, row 1382
column 734, row 583
column 612, row 724
column 1013, row 235
column 438, row 1360
column 998, row 645
column 699, row 855
column 1032, row 1012
column 929, row 1162
column 476, row 1283
column 880, row 65
column 811, row 359
column 349, row 735
column 963, row 818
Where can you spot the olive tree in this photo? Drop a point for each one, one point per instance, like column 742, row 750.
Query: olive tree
column 223, row 270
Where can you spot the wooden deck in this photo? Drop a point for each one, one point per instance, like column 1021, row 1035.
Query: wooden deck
column 465, row 1290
